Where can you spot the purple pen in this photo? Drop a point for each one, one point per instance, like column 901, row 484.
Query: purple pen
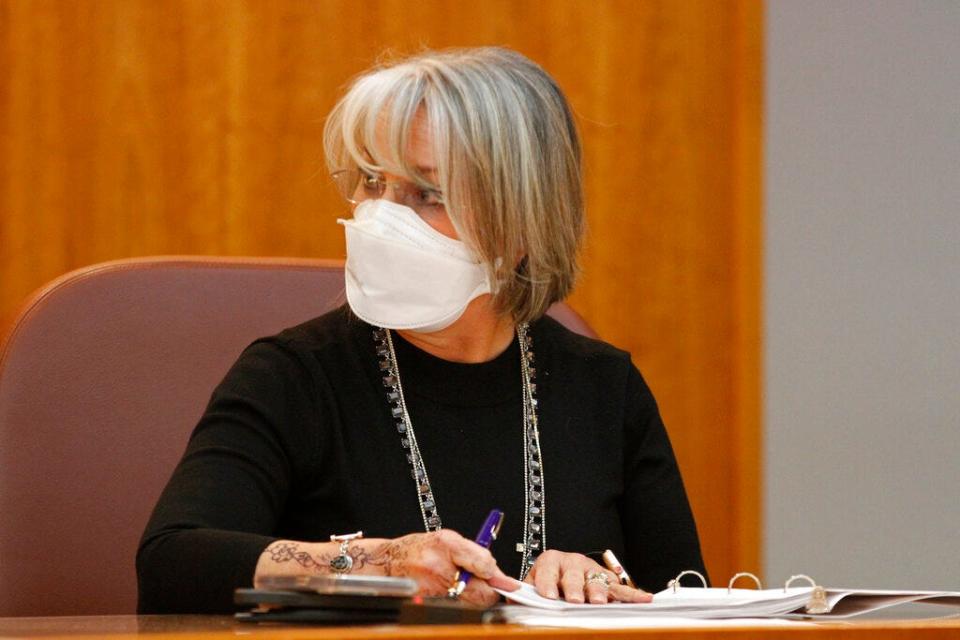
column 488, row 533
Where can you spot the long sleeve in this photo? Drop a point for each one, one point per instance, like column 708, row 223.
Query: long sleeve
column 298, row 442
column 659, row 530
column 226, row 496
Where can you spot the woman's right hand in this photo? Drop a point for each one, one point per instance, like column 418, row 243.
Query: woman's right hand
column 432, row 559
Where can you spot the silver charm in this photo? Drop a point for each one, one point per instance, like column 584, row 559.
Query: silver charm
column 342, row 563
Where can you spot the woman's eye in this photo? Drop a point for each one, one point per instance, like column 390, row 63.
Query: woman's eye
column 429, row 198
column 370, row 184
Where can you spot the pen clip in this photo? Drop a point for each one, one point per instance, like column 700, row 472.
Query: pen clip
column 495, row 533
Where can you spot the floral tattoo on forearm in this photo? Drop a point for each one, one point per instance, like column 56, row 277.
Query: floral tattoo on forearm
column 390, row 556
column 291, row 552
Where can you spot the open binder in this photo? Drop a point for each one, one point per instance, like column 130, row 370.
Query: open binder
column 810, row 601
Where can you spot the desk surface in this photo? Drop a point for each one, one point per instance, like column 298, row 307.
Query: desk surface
column 223, row 627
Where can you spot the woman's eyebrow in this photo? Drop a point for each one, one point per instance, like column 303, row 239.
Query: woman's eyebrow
column 430, row 173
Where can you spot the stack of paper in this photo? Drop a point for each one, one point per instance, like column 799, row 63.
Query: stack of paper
column 718, row 604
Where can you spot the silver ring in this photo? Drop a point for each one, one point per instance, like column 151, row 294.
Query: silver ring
column 675, row 583
column 600, row 577
column 743, row 574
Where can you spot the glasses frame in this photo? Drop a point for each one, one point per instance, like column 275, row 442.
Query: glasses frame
column 348, row 182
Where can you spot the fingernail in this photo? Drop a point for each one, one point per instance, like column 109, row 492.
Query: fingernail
column 575, row 600
column 597, row 599
column 552, row 594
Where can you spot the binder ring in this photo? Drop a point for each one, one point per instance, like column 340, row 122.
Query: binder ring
column 675, row 583
column 818, row 596
column 799, row 576
column 743, row 574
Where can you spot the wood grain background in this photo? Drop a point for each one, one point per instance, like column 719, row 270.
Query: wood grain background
column 139, row 127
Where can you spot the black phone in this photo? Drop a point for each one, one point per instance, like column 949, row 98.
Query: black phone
column 287, row 605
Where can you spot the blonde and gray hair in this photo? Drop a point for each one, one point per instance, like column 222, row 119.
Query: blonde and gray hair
column 508, row 156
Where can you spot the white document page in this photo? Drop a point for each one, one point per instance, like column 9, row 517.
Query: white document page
column 714, row 603
column 686, row 602
column 544, row 612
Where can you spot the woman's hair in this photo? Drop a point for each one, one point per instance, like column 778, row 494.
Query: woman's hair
column 508, row 158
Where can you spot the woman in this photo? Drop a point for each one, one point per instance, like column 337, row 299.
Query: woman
column 440, row 391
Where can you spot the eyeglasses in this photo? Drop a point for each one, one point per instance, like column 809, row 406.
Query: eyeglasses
column 356, row 186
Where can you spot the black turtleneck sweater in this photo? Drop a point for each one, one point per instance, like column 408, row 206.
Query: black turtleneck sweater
column 297, row 443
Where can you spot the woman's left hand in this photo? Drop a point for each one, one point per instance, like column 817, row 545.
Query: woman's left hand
column 580, row 579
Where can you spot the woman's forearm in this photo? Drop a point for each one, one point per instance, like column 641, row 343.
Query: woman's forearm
column 432, row 559
column 374, row 556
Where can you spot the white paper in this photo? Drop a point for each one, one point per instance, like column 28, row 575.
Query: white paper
column 530, row 616
column 686, row 602
column 717, row 604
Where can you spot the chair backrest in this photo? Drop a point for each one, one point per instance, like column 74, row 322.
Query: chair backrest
column 102, row 377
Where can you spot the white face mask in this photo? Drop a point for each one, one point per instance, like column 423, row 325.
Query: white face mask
column 401, row 273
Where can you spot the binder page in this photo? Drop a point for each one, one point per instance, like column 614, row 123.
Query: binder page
column 847, row 603
column 715, row 603
column 686, row 602
column 535, row 617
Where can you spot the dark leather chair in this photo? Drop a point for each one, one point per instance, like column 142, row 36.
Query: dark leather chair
column 102, row 377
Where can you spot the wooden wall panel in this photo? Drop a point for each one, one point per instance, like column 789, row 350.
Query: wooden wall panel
column 135, row 127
